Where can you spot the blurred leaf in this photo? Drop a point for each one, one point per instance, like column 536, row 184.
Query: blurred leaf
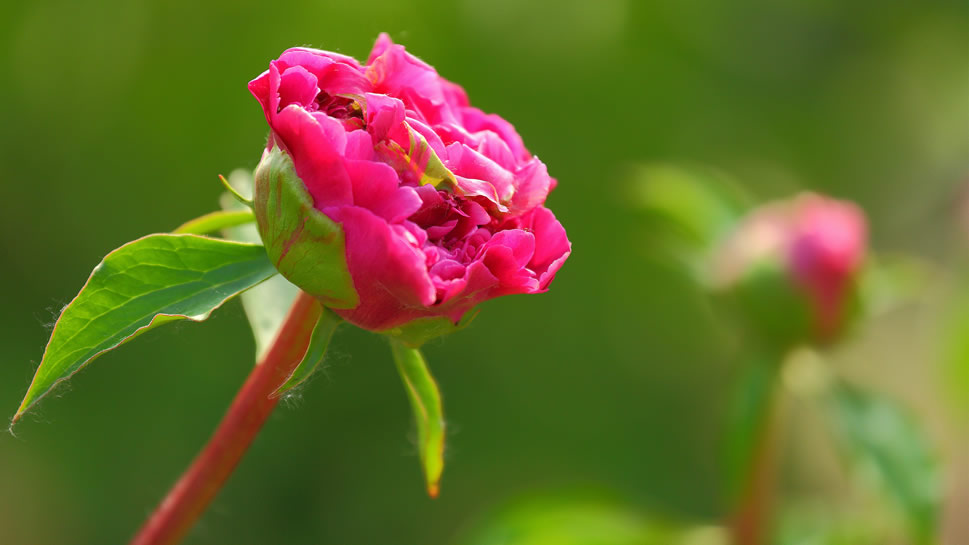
column 315, row 352
column 215, row 221
column 692, row 210
column 803, row 525
column 956, row 368
column 267, row 304
column 425, row 400
column 145, row 283
column 567, row 521
column 884, row 441
column 747, row 420
column 888, row 282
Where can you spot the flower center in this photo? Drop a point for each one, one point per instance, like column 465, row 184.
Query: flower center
column 338, row 107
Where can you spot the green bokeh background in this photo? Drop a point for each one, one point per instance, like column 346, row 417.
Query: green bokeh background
column 117, row 116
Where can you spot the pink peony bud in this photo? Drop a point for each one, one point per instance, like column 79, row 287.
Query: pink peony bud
column 384, row 193
column 817, row 243
column 825, row 253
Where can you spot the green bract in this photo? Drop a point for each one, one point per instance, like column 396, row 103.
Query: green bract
column 417, row 332
column 307, row 247
column 315, row 352
column 425, row 400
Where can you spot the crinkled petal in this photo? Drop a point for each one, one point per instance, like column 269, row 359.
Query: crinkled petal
column 397, row 73
column 552, row 246
column 375, row 187
column 475, row 120
column 297, row 86
column 468, row 163
column 343, row 79
column 316, row 152
column 387, row 267
column 532, row 186
column 316, row 60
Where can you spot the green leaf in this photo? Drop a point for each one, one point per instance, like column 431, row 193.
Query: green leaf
column 267, row 304
column 885, row 442
column 425, row 400
column 307, row 247
column 215, row 221
column 319, row 342
column 145, row 283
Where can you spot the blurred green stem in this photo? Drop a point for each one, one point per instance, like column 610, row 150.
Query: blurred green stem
column 252, row 405
column 755, row 455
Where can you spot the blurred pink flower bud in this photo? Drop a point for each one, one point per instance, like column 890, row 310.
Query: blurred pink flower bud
column 825, row 252
column 816, row 242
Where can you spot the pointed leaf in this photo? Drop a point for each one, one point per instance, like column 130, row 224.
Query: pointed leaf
column 147, row 282
column 267, row 304
column 425, row 399
column 215, row 221
column 882, row 439
column 315, row 352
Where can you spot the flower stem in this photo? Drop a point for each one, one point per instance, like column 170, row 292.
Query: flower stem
column 252, row 405
column 751, row 520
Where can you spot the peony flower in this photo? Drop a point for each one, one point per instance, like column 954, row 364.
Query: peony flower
column 386, row 195
column 817, row 243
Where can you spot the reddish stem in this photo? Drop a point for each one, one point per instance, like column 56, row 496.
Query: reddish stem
column 252, row 405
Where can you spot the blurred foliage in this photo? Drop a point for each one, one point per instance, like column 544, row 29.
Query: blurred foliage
column 887, row 445
column 582, row 519
column 119, row 116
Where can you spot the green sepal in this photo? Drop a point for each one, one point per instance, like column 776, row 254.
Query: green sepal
column 307, row 247
column 415, row 333
column 775, row 314
column 145, row 283
column 236, row 193
column 315, row 352
column 425, row 400
column 267, row 304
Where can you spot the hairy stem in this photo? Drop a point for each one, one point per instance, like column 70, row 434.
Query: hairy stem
column 252, row 405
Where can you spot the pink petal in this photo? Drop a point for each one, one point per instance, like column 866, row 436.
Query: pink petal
column 297, row 86
column 532, row 186
column 475, row 120
column 375, row 187
column 388, row 269
column 468, row 163
column 552, row 246
column 315, row 60
column 315, row 151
